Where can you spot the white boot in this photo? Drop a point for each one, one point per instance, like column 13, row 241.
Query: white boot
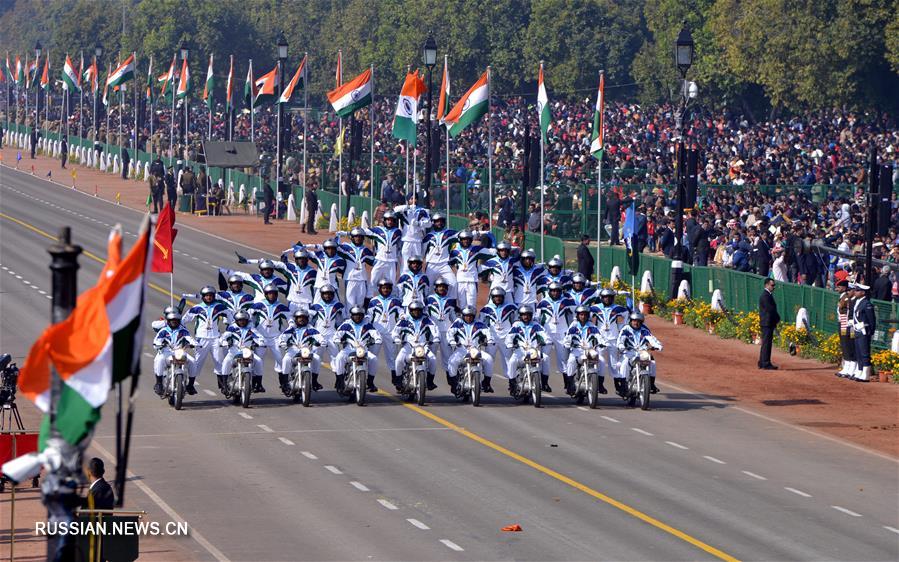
column 865, row 374
column 850, row 368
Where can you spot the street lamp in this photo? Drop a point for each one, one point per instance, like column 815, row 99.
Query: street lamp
column 429, row 59
column 37, row 91
column 98, row 54
column 684, row 50
column 185, row 52
column 683, row 59
column 282, row 61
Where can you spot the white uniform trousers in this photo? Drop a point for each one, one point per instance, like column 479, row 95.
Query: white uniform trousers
column 271, row 347
column 387, row 345
column 289, row 355
column 409, row 249
column 343, row 355
column 356, row 291
column 404, row 354
column 517, row 356
column 231, row 358
column 443, row 345
column 500, row 346
column 160, row 362
column 576, row 357
column 611, row 359
column 383, row 269
column 205, row 348
column 555, row 344
column 459, row 355
column 625, row 365
column 438, row 270
column 467, row 294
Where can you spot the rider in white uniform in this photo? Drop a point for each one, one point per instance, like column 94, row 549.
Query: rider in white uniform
column 582, row 332
column 412, row 329
column 237, row 335
column 413, row 284
column 442, row 311
column 327, row 314
column 384, row 311
column 630, row 339
column 527, row 333
column 271, row 317
column 555, row 312
column 499, row 316
column 610, row 319
column 299, row 334
column 356, row 331
column 465, row 333
column 172, row 335
column 208, row 315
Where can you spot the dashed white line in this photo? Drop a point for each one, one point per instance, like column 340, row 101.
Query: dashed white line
column 641, row 431
column 613, row 420
column 286, row 441
column 308, row 455
column 713, row 459
column 265, row 428
column 452, row 545
column 677, row 445
column 797, row 492
column 418, row 524
column 891, row 529
column 846, row 511
column 584, row 408
column 388, row 505
column 753, row 474
column 18, row 276
column 359, row 486
column 209, row 392
column 245, row 415
column 333, row 469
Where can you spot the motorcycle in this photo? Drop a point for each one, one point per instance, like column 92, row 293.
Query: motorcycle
column 240, row 385
column 586, row 381
column 469, row 376
column 415, row 375
column 528, row 378
column 638, row 381
column 355, row 376
column 300, row 384
column 174, row 383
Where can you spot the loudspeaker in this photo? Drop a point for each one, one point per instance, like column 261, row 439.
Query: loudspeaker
column 692, row 174
column 884, row 200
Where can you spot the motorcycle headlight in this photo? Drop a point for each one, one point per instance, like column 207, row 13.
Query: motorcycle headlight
column 533, row 353
column 360, row 352
column 246, row 353
column 419, row 352
column 593, row 355
column 645, row 356
column 179, row 355
column 305, row 353
column 473, row 353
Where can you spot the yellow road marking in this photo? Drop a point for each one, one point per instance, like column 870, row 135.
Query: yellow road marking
column 569, row 481
column 90, row 255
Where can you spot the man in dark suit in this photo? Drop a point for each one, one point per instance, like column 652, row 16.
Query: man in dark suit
column 613, row 216
column 585, row 264
column 768, row 321
column 100, row 490
column 882, row 289
column 311, row 201
column 641, row 230
column 761, row 254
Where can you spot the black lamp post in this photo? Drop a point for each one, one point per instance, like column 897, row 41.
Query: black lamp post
column 185, row 52
column 282, row 60
column 429, row 58
column 37, row 91
column 683, row 59
column 98, row 54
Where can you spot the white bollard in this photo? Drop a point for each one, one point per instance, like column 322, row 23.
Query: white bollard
column 304, row 213
column 646, row 284
column 291, row 212
column 683, row 291
column 614, row 276
column 332, row 225
column 894, row 345
column 365, row 221
column 115, row 164
column 318, row 215
column 351, row 217
column 253, row 200
column 243, row 195
column 229, row 195
column 103, row 162
column 802, row 319
column 717, row 300
column 146, row 170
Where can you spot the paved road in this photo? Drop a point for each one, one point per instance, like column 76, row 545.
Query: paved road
column 691, row 479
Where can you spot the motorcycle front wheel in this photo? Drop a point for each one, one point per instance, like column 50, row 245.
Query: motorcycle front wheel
column 361, row 387
column 644, row 392
column 536, row 390
column 421, row 389
column 632, row 390
column 306, row 389
column 475, row 387
column 593, row 390
column 245, row 390
column 178, row 391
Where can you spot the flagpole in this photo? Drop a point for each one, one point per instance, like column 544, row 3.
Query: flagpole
column 305, row 120
column 121, row 111
column 340, row 136
column 252, row 105
column 371, row 157
column 172, row 115
column 280, row 91
column 446, row 107
column 489, row 154
column 209, row 106
column 542, row 181
column 599, row 193
column 81, row 99
column 134, row 110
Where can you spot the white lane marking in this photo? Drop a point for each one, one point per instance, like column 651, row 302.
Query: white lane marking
column 388, row 505
column 713, row 459
column 584, row 408
column 286, row 441
column 42, row 292
column 452, row 545
column 173, row 515
column 18, row 276
column 677, row 445
column 49, row 296
column 245, row 415
column 333, row 469
column 797, row 492
column 209, row 392
column 150, row 355
column 892, row 529
column 613, row 420
column 265, row 428
column 308, row 455
column 360, row 486
column 753, row 474
column 419, row 524
column 846, row 511
column 641, row 431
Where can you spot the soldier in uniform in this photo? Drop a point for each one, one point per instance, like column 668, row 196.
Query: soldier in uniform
column 845, row 308
column 863, row 322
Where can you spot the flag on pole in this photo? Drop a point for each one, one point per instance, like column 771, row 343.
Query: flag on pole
column 470, row 107
column 209, row 86
column 184, row 81
column 45, row 74
column 168, row 81
column 8, row 70
column 443, row 102
column 299, row 78
column 229, row 88
column 70, row 80
column 30, row 72
column 543, row 105
column 106, row 85
column 99, row 342
column 163, row 241
column 20, row 73
column 596, row 144
column 90, row 75
column 406, row 119
column 150, row 81
column 628, row 234
column 266, row 87
column 249, row 87
column 352, row 96
column 338, row 145
column 80, row 70
column 123, row 73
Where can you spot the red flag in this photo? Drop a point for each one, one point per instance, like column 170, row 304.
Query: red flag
column 164, row 240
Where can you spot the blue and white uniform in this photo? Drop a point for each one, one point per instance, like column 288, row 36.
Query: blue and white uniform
column 328, row 267
column 257, row 281
column 442, row 311
column 270, row 319
column 610, row 320
column 468, row 269
column 233, row 339
column 326, row 317
column 578, row 336
column 499, row 319
column 629, row 342
column 463, row 336
column 355, row 274
column 555, row 316
column 383, row 313
column 585, row 297
column 414, row 221
column 413, row 287
column 520, row 337
column 528, row 282
column 388, row 242
column 165, row 341
column 207, row 332
column 234, row 302
column 292, row 339
column 437, row 247
column 348, row 336
column 410, row 331
column 301, row 281
column 501, row 272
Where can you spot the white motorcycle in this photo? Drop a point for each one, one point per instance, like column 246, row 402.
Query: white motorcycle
column 173, row 388
column 415, row 375
column 586, row 381
column 239, row 387
column 528, row 385
column 469, row 376
column 300, row 384
column 355, row 376
column 638, row 378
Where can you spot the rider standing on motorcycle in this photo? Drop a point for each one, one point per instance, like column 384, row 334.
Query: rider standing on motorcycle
column 499, row 268
column 270, row 318
column 631, row 338
column 329, row 264
column 554, row 312
column 300, row 276
column 524, row 334
column 387, row 240
column 168, row 338
column 582, row 333
column 207, row 315
column 414, row 221
column 465, row 258
column 555, row 274
column 327, row 313
column 235, row 298
column 528, row 278
column 409, row 331
column 357, row 255
column 352, row 333
column 237, row 335
column 610, row 319
column 291, row 341
column 437, row 244
column 580, row 293
column 413, row 283
column 465, row 333
column 384, row 311
column 499, row 316
column 258, row 281
column 442, row 310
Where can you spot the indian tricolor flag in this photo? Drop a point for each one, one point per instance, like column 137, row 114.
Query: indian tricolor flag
column 209, row 86
column 45, row 74
column 543, row 105
column 91, row 76
column 183, row 81
column 229, row 88
column 299, row 79
column 20, row 72
column 444, row 101
column 266, row 87
column 352, row 96
column 97, row 344
column 167, row 80
column 406, row 118
column 249, row 87
column 470, row 107
column 69, row 76
column 596, row 144
column 123, row 73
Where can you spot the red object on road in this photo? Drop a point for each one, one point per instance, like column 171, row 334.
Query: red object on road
column 512, row 528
